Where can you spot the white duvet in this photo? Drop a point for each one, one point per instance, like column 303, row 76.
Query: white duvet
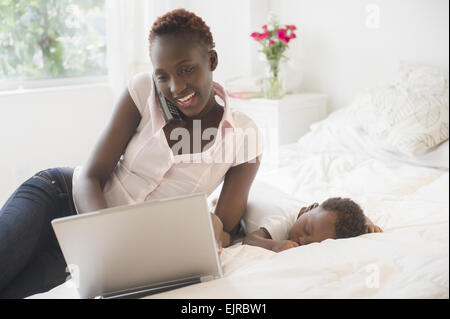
column 410, row 259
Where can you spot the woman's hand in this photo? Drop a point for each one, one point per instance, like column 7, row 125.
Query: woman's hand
column 280, row 245
column 217, row 226
column 222, row 237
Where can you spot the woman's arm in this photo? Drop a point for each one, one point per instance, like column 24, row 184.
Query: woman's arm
column 234, row 195
column 88, row 194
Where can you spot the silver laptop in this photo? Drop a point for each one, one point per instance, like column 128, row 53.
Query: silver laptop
column 137, row 250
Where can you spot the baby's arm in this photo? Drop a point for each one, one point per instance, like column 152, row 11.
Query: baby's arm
column 262, row 238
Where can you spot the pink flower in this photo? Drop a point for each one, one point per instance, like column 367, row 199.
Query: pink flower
column 291, row 27
column 283, row 36
column 271, row 42
column 260, row 36
column 281, row 33
column 255, row 35
column 264, row 35
column 264, row 27
column 290, row 32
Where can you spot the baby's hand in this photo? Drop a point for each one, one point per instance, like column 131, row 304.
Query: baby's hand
column 280, row 245
column 307, row 209
column 373, row 229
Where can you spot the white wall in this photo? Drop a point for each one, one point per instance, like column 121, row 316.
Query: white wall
column 340, row 49
column 48, row 128
column 231, row 23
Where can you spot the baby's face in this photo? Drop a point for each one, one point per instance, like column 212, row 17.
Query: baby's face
column 314, row 224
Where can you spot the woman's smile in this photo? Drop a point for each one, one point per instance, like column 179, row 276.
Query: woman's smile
column 187, row 100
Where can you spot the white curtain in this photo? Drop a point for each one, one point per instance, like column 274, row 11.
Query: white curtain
column 231, row 22
column 127, row 52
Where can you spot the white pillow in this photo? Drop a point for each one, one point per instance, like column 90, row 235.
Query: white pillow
column 411, row 115
column 266, row 200
column 263, row 200
column 422, row 77
column 436, row 157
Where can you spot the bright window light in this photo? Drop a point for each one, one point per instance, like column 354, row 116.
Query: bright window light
column 51, row 43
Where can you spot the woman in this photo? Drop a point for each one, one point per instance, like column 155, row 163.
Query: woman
column 138, row 157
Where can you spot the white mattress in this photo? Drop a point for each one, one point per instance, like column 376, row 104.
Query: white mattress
column 410, row 259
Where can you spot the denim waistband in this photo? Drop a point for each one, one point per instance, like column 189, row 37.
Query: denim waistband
column 61, row 180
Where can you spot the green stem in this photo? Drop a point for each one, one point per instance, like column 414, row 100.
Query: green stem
column 273, row 87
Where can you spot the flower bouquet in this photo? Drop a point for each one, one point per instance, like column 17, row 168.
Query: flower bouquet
column 274, row 41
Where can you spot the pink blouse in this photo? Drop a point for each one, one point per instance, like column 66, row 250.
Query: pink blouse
column 149, row 170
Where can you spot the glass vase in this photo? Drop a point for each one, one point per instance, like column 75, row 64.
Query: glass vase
column 273, row 85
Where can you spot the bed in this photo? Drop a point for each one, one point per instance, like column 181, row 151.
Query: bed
column 406, row 194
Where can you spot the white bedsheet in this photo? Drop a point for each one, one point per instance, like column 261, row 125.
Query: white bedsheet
column 409, row 260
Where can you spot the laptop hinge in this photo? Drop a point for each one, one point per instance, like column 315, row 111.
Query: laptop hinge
column 206, row 278
column 151, row 290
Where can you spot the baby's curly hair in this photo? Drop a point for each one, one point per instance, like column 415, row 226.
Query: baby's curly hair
column 181, row 21
column 350, row 220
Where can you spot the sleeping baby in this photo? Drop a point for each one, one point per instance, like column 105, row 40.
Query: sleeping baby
column 335, row 218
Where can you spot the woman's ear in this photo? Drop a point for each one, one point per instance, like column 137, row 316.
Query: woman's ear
column 213, row 60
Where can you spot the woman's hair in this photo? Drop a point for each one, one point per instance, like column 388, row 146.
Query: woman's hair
column 181, row 21
column 350, row 220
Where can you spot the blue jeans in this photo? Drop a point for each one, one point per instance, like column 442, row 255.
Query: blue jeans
column 31, row 260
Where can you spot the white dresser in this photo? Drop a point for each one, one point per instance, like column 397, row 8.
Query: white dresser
column 283, row 121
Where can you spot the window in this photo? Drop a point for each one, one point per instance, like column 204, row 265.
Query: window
column 51, row 42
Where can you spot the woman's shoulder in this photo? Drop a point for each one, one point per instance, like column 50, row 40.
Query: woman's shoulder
column 249, row 137
column 141, row 82
column 142, row 76
column 140, row 87
column 242, row 120
column 239, row 119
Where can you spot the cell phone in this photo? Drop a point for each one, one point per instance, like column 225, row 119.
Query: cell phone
column 170, row 111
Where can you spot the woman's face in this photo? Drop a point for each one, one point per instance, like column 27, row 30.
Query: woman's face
column 183, row 72
column 314, row 224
